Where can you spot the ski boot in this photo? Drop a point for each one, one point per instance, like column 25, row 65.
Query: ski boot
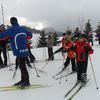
column 24, row 85
column 84, row 79
column 18, row 83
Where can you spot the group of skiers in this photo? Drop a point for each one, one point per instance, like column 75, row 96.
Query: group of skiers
column 78, row 50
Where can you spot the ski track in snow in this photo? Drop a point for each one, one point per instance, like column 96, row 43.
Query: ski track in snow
column 56, row 91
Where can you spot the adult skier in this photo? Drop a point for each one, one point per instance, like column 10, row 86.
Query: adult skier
column 50, row 48
column 18, row 39
column 3, row 49
column 31, row 56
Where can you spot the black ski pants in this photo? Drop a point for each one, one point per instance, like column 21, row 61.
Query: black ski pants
column 23, row 69
column 72, row 62
column 26, row 61
column 81, row 68
column 31, row 56
column 4, row 51
column 50, row 54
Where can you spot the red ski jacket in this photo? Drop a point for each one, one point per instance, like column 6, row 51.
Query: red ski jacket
column 83, row 49
column 69, row 46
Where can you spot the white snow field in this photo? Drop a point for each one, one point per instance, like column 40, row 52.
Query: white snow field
column 56, row 91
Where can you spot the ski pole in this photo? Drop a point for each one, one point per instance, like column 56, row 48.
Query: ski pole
column 15, row 72
column 62, row 68
column 41, row 70
column 45, row 64
column 36, row 70
column 93, row 73
column 44, row 53
column 68, row 71
column 17, row 65
column 9, row 60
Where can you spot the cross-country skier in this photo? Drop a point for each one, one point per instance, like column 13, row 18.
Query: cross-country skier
column 3, row 45
column 50, row 48
column 61, row 49
column 18, row 39
column 83, row 49
column 31, row 56
column 68, row 45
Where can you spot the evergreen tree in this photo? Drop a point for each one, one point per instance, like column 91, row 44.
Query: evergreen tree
column 98, row 29
column 77, row 30
column 42, row 40
column 98, row 32
column 88, row 27
column 55, row 39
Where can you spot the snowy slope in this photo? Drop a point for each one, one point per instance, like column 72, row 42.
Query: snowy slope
column 56, row 91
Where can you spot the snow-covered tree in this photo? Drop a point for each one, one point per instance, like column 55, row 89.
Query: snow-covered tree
column 42, row 40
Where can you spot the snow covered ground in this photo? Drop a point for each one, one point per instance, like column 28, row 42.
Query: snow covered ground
column 56, row 91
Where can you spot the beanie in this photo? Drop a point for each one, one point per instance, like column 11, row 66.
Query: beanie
column 68, row 33
column 13, row 20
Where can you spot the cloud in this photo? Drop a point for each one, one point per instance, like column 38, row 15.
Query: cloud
column 19, row 1
column 24, row 21
column 58, row 14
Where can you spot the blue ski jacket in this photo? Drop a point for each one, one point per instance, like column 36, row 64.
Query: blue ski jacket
column 18, row 38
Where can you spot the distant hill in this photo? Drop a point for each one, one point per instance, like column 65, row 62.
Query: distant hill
column 49, row 29
column 33, row 30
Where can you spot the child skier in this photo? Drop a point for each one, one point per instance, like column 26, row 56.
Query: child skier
column 83, row 49
column 68, row 45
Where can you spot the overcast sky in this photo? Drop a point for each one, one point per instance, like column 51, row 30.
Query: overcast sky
column 59, row 14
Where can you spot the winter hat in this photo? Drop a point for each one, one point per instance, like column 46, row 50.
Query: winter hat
column 64, row 34
column 68, row 32
column 13, row 20
column 2, row 25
